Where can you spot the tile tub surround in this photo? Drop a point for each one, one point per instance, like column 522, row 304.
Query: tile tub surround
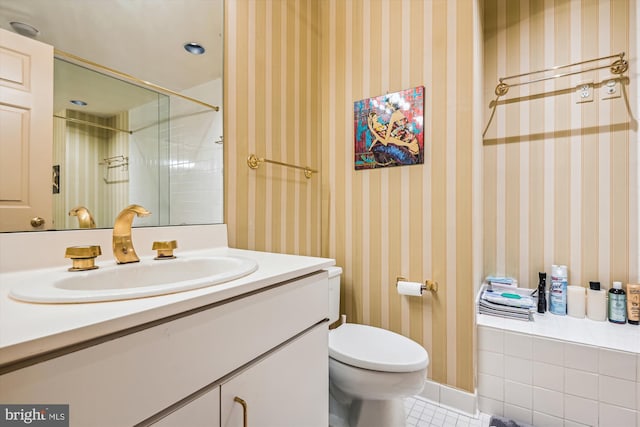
column 559, row 371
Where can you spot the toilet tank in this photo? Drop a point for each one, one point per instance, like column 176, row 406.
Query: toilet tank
column 334, row 293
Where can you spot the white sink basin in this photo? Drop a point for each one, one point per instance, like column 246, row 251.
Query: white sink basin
column 127, row 281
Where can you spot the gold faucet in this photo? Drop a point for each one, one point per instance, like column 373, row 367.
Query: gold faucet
column 85, row 220
column 122, row 245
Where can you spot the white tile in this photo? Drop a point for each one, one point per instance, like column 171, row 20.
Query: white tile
column 581, row 410
column 518, row 370
column 490, row 339
column 519, row 345
column 548, row 402
column 491, row 406
column 491, row 363
column 518, row 394
column 615, row 416
column 617, row 392
column 540, row 419
column 548, row 376
column 619, row 364
column 517, row 413
column 583, row 357
column 490, row 386
column 548, row 351
column 581, row 383
column 638, row 401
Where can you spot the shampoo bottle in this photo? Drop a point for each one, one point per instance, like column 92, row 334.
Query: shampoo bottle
column 617, row 304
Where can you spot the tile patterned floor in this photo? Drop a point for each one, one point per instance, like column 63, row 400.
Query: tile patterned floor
column 424, row 413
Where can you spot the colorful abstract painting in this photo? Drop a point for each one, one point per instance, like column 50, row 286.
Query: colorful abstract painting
column 389, row 129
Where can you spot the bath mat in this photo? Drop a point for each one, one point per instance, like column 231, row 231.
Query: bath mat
column 505, row 422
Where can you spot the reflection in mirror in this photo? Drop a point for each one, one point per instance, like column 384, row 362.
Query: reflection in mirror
column 115, row 141
column 133, row 143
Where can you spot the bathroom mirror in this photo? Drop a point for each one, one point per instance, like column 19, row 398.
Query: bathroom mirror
column 150, row 147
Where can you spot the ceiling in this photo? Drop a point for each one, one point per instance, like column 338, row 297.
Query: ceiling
column 143, row 38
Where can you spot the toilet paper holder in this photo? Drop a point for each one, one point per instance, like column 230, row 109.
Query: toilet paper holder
column 428, row 285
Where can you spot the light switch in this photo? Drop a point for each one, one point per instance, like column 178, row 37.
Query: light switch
column 610, row 89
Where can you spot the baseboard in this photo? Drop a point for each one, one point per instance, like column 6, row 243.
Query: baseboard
column 451, row 398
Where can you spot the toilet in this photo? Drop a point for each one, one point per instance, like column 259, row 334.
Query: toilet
column 370, row 370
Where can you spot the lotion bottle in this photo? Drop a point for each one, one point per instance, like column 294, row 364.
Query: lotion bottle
column 596, row 302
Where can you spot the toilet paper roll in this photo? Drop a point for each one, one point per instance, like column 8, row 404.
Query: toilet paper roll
column 410, row 288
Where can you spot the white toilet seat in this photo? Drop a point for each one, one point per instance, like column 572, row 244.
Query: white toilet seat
column 376, row 349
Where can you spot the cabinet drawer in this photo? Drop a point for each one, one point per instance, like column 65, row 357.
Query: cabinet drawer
column 132, row 377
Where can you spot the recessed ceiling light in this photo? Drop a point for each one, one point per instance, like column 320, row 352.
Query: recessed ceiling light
column 78, row 102
column 24, row 29
column 194, row 48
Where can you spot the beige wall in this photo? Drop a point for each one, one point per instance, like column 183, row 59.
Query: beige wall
column 413, row 221
column 80, row 151
column 272, row 98
column 560, row 178
column 286, row 59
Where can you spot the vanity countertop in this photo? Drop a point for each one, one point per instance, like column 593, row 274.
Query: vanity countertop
column 28, row 329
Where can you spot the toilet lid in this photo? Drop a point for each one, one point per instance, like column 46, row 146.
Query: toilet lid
column 376, row 349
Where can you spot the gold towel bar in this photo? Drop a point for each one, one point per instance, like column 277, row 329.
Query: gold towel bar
column 254, row 162
column 69, row 57
column 619, row 66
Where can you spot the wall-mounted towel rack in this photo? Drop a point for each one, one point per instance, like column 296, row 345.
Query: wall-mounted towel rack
column 618, row 67
column 121, row 162
column 254, row 162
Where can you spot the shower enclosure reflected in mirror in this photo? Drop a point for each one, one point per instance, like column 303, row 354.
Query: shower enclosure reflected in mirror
column 114, row 141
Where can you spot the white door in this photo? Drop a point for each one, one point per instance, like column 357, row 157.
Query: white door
column 289, row 388
column 26, row 133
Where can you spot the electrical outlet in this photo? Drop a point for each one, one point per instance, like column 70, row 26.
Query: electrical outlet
column 610, row 89
column 584, row 92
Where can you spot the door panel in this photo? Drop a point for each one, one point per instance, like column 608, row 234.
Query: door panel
column 26, row 132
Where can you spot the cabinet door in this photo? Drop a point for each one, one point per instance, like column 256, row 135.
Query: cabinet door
column 288, row 388
column 203, row 411
column 26, row 132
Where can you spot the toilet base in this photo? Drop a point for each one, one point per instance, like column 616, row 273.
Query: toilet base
column 349, row 412
column 377, row 413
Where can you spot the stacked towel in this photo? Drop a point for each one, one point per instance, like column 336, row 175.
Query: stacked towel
column 508, row 302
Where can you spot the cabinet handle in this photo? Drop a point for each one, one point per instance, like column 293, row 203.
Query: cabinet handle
column 244, row 410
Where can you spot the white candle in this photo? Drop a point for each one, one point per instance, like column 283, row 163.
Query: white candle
column 575, row 301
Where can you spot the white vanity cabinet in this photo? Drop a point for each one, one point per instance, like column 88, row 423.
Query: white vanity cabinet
column 287, row 388
column 268, row 347
column 203, row 411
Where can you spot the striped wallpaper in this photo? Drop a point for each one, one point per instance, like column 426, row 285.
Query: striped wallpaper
column 79, row 149
column 292, row 72
column 560, row 178
column 272, row 100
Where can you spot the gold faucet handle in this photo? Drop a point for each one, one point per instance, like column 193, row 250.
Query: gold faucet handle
column 83, row 257
column 165, row 249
